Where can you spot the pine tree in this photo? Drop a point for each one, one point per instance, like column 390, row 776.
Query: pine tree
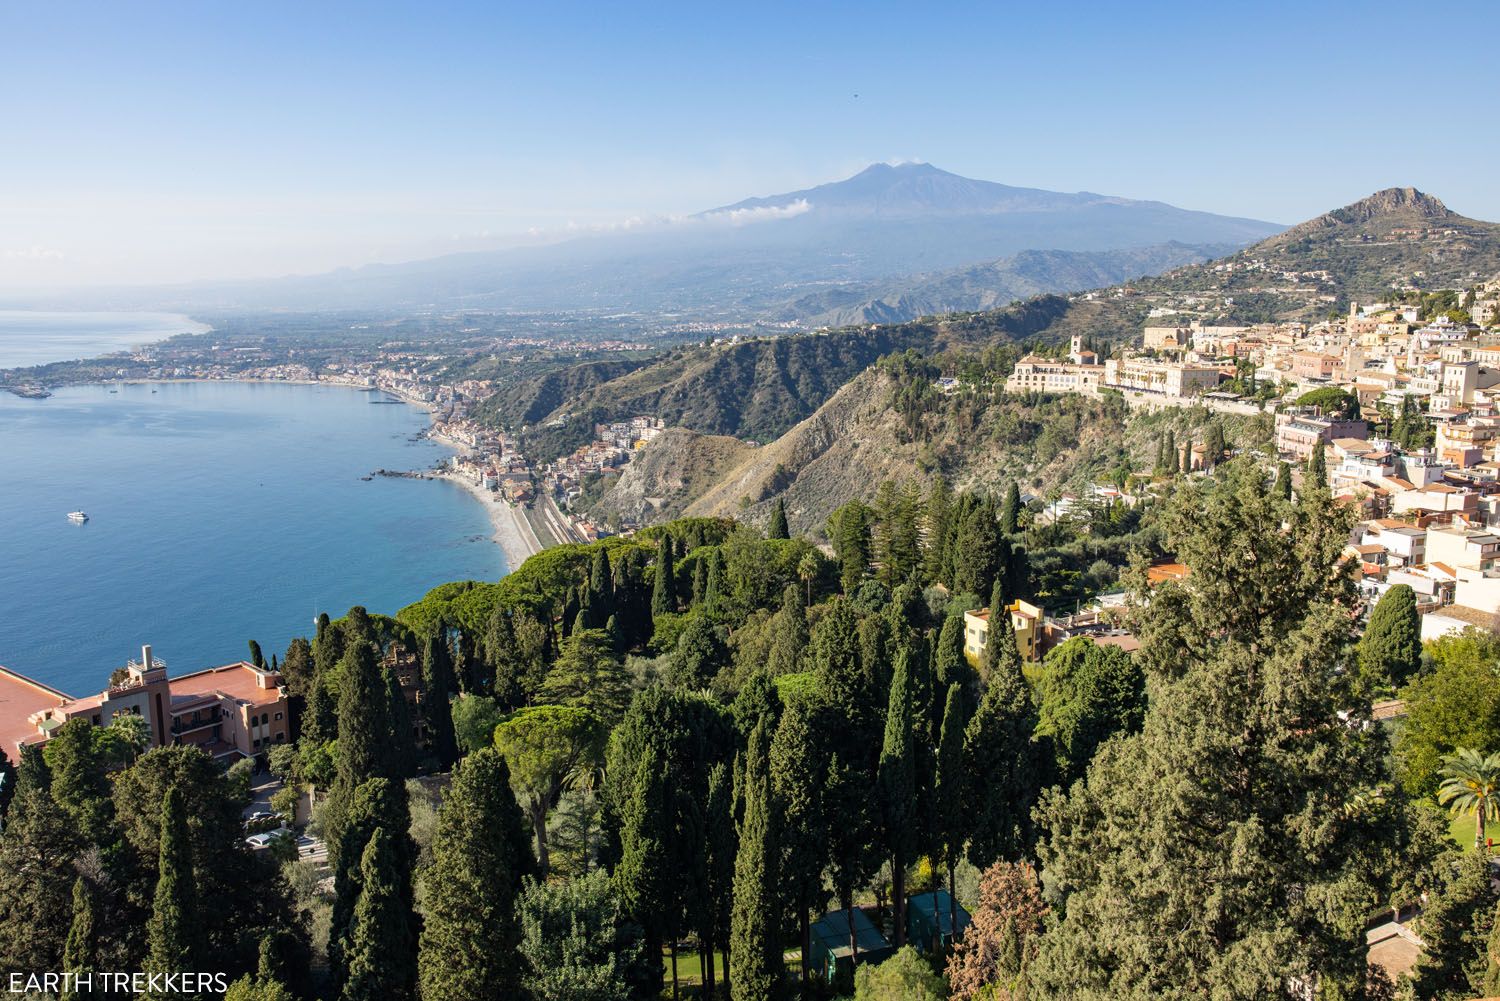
column 172, row 930
column 1455, row 926
column 1390, row 652
column 849, row 530
column 1247, row 659
column 898, row 786
column 79, row 786
column 777, row 529
column 663, row 595
column 1000, row 761
column 437, row 707
column 37, row 853
column 939, row 511
column 471, row 935
column 380, row 954
column 755, row 967
column 80, row 953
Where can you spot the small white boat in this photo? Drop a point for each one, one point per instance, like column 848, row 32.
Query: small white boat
column 77, row 516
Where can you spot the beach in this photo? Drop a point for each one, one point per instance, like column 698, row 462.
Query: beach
column 512, row 531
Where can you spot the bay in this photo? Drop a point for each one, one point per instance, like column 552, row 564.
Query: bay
column 29, row 337
column 218, row 513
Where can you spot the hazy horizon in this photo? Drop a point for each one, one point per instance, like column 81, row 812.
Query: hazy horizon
column 170, row 143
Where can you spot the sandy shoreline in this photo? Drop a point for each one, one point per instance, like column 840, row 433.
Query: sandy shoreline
column 512, row 531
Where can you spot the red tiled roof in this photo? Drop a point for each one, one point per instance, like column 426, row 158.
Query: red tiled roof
column 21, row 696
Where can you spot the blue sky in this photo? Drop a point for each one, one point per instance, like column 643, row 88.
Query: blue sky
column 146, row 142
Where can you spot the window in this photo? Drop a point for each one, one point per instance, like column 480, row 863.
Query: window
column 280, row 737
column 265, row 718
column 96, row 719
column 278, row 717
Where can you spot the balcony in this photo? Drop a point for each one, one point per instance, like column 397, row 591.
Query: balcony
column 197, row 722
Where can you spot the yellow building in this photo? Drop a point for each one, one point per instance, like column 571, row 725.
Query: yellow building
column 1025, row 620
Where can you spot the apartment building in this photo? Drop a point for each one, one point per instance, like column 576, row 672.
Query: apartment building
column 237, row 710
column 1025, row 620
column 1299, row 431
column 1170, row 379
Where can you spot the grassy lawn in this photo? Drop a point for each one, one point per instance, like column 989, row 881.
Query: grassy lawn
column 690, row 971
column 1461, row 830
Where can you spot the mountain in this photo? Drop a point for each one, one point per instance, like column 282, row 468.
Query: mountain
column 852, row 437
column 1396, row 239
column 992, row 284
column 743, row 262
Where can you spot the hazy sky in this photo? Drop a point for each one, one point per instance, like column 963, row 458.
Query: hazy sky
column 155, row 142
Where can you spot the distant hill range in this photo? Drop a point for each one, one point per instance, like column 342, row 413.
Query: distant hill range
column 826, row 418
column 889, row 243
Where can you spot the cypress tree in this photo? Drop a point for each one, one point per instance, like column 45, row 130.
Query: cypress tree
column 1001, row 654
column 1491, row 985
column 81, row 950
column 172, row 929
column 1169, row 453
column 256, row 657
column 364, row 719
column 1317, row 467
column 471, row 935
column 375, row 803
column 328, row 647
column 601, row 589
column 979, row 557
column 755, row 967
column 32, row 770
column 778, row 528
column 663, row 594
column 642, row 875
column 1213, row 443
column 897, row 780
column 718, row 877
column 950, row 791
column 1390, row 652
column 1001, row 765
column 798, row 771
column 1010, row 510
column 437, row 707
column 321, row 722
column 380, row 954
column 715, row 593
column 1284, row 480
column 700, row 580
column 402, row 738
column 939, row 511
column 849, row 530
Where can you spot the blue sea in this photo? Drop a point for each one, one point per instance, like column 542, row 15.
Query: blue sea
column 29, row 337
column 218, row 513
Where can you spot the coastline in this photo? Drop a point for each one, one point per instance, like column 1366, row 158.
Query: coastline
column 512, row 533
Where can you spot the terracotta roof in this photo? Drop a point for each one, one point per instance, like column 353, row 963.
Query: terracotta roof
column 21, row 696
column 1445, row 568
column 1473, row 616
column 238, row 681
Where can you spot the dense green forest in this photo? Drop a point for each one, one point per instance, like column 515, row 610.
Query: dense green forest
column 645, row 767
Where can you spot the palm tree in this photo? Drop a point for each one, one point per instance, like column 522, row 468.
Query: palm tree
column 1471, row 784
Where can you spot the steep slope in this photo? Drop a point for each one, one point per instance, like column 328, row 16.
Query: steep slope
column 677, row 467
column 760, row 388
